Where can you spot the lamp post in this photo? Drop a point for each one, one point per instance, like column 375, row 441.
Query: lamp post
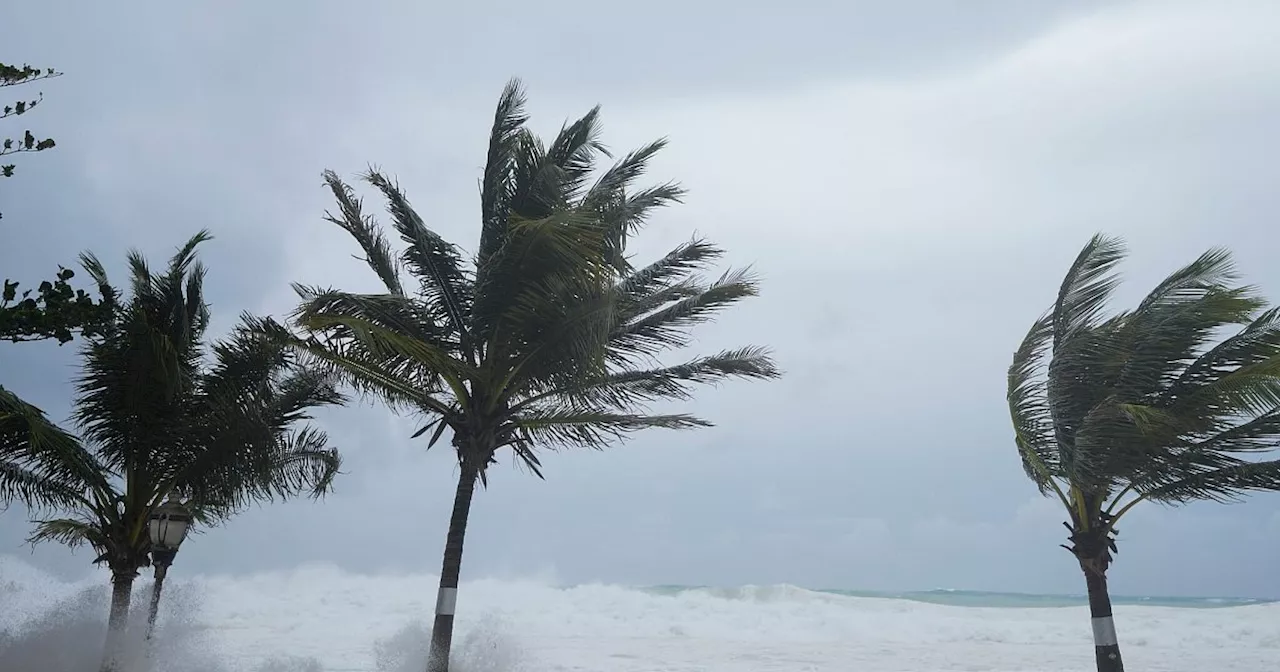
column 167, row 526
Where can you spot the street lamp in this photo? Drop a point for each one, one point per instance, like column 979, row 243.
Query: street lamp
column 168, row 526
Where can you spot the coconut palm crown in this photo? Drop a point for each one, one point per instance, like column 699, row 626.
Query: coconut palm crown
column 1150, row 404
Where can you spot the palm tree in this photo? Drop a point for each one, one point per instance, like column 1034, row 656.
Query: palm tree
column 1146, row 405
column 548, row 339
column 158, row 421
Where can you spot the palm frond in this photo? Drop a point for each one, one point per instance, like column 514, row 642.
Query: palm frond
column 615, row 180
column 1086, row 287
column 40, row 463
column 1164, row 337
column 295, row 462
column 496, row 185
column 251, row 368
column 23, row 483
column 535, row 181
column 383, row 343
column 405, row 314
column 97, row 272
column 1246, row 391
column 1212, row 270
column 628, row 213
column 630, row 389
column 592, row 428
column 669, row 314
column 364, row 229
column 69, row 532
column 574, row 152
column 304, row 389
column 384, row 328
column 636, row 290
column 1258, row 342
column 443, row 283
column 623, row 214
column 403, row 385
column 1029, row 408
column 110, row 296
column 1259, row 434
column 305, row 465
column 1224, row 485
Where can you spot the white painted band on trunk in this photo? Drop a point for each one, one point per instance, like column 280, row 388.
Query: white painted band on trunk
column 447, row 601
column 1104, row 632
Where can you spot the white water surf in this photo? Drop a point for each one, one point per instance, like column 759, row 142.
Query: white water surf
column 320, row 618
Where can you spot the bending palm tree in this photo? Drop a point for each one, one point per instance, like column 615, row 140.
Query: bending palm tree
column 1144, row 406
column 549, row 339
column 160, row 423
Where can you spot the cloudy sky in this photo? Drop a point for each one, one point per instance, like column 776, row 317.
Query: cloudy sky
column 910, row 178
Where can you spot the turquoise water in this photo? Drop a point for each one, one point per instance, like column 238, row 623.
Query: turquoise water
column 973, row 598
column 976, row 598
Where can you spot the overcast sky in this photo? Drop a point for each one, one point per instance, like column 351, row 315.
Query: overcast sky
column 911, row 178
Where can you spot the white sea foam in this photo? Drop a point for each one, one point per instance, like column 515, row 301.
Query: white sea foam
column 319, row 618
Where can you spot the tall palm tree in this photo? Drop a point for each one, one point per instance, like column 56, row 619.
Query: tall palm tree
column 157, row 420
column 1145, row 405
column 548, row 338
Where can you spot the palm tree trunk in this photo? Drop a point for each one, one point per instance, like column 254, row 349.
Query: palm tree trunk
column 118, row 621
column 1106, row 648
column 442, row 629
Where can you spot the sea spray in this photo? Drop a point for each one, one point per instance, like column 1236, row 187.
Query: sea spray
column 67, row 635
column 64, row 631
column 313, row 619
column 488, row 646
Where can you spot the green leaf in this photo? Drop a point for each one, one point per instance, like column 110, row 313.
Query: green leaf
column 435, row 436
column 365, row 230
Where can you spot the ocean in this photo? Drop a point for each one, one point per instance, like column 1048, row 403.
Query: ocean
column 980, row 598
column 323, row 619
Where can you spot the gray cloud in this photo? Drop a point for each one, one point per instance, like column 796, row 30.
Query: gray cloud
column 911, row 181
